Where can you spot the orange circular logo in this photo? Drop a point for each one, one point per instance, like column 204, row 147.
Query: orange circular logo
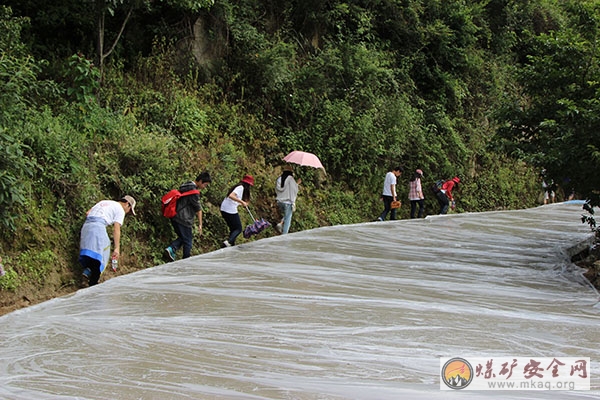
column 457, row 373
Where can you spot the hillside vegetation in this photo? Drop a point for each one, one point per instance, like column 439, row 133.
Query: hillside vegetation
column 136, row 97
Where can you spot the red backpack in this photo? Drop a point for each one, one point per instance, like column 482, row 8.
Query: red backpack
column 169, row 201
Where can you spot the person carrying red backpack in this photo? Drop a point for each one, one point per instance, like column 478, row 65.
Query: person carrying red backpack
column 188, row 206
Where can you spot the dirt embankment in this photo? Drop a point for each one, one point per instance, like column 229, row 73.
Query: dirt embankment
column 58, row 283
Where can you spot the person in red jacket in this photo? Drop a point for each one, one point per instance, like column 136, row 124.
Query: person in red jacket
column 444, row 196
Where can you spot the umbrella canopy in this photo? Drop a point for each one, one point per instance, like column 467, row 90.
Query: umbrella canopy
column 304, row 159
column 257, row 227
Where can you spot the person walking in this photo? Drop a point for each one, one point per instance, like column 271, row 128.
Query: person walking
column 444, row 196
column 415, row 194
column 238, row 194
column 286, row 189
column 187, row 207
column 389, row 193
column 94, row 244
column 548, row 187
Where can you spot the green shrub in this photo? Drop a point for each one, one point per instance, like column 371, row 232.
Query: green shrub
column 29, row 266
column 11, row 280
column 16, row 170
column 83, row 78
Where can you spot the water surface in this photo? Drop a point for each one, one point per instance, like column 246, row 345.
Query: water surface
column 348, row 312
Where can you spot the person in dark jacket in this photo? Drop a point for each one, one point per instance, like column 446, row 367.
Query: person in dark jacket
column 183, row 222
column 444, row 196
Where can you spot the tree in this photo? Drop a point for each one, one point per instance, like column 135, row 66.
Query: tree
column 554, row 124
column 127, row 8
column 102, row 8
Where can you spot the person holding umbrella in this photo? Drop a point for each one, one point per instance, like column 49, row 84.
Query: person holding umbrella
column 286, row 189
column 238, row 194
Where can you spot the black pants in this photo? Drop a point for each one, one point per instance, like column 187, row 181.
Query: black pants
column 235, row 226
column 444, row 202
column 94, row 267
column 387, row 207
column 413, row 207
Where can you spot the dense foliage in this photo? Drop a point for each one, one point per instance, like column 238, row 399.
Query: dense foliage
column 552, row 121
column 104, row 98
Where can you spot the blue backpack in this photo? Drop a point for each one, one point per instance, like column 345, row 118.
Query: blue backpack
column 437, row 186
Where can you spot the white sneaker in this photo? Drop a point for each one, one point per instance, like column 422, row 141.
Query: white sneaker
column 226, row 243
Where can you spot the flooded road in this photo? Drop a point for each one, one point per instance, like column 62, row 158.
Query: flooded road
column 347, row 312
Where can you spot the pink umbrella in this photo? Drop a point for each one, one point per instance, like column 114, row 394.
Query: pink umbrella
column 304, row 159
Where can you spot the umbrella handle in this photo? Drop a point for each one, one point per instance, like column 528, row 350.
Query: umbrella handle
column 252, row 216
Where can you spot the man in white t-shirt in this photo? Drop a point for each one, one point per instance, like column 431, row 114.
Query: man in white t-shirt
column 389, row 193
column 94, row 245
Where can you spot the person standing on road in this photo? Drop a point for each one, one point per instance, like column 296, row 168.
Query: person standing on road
column 389, row 193
column 415, row 194
column 183, row 222
column 286, row 188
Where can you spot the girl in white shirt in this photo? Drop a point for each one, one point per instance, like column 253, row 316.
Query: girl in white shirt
column 238, row 194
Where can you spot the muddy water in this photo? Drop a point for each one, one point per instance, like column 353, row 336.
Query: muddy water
column 349, row 312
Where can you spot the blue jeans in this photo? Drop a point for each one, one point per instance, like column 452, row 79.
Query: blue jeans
column 185, row 238
column 287, row 211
